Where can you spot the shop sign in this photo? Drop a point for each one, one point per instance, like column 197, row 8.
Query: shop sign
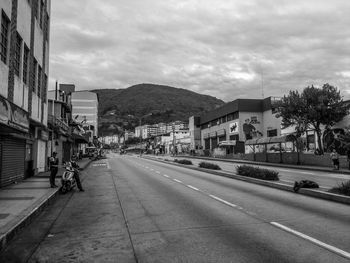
column 5, row 111
column 233, row 128
column 19, row 119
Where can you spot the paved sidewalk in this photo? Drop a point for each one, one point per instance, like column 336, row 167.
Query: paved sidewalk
column 21, row 202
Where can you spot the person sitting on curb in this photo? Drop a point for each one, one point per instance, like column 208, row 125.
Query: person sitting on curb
column 335, row 159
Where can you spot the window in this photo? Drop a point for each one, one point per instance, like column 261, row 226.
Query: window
column 39, row 81
column 34, row 75
column 44, row 93
column 41, row 13
column 35, row 6
column 233, row 116
column 5, row 23
column 17, row 57
column 272, row 133
column 25, row 64
column 46, row 26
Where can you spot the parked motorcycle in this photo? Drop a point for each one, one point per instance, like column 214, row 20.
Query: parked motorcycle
column 68, row 181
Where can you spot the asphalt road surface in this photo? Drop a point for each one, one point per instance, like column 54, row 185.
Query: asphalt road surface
column 138, row 210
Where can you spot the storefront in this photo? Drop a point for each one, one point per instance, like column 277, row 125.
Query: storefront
column 14, row 133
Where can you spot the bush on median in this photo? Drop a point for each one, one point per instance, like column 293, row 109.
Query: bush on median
column 342, row 188
column 259, row 173
column 209, row 166
column 183, row 161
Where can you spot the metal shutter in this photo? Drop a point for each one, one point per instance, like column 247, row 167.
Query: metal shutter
column 12, row 163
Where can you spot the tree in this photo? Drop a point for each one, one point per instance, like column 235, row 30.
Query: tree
column 311, row 109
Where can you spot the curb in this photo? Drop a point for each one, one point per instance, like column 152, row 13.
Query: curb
column 273, row 184
column 47, row 200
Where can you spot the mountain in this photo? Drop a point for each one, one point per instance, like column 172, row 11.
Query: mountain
column 121, row 109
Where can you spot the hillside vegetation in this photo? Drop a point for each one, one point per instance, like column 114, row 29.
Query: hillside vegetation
column 121, row 109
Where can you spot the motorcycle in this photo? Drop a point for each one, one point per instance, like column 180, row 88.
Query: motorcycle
column 68, row 181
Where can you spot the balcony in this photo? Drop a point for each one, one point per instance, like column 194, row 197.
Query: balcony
column 58, row 123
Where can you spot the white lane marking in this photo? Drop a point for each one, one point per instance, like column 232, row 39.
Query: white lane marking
column 306, row 173
column 157, row 172
column 177, row 180
column 313, row 240
column 192, row 187
column 152, row 169
column 147, row 167
column 167, row 176
column 222, row 201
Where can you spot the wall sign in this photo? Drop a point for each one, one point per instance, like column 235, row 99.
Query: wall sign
column 234, row 128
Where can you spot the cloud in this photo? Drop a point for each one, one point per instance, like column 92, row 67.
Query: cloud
column 227, row 49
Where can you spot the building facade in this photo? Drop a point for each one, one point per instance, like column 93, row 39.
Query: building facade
column 24, row 69
column 239, row 120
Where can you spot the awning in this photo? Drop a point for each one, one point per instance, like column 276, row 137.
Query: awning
column 221, row 132
column 267, row 140
column 79, row 139
column 213, row 134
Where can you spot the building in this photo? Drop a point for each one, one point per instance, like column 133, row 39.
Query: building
column 24, row 69
column 239, row 120
column 85, row 110
column 195, row 133
column 59, row 115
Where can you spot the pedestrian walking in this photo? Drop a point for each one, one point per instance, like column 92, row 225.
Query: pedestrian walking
column 335, row 159
column 53, row 169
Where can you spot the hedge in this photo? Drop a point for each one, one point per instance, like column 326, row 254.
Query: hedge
column 183, row 161
column 209, row 166
column 259, row 173
column 342, row 188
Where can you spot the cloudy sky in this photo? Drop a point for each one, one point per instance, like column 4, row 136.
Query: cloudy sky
column 225, row 48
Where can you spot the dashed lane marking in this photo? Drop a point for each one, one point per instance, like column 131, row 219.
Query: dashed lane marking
column 313, row 240
column 306, row 173
column 177, row 181
column 157, row 172
column 167, row 176
column 192, row 187
column 223, row 201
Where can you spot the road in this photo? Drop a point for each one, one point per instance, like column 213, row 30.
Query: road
column 326, row 180
column 138, row 210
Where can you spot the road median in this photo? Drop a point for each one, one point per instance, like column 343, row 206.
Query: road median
column 274, row 184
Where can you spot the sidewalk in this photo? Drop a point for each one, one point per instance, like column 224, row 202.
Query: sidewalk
column 21, row 202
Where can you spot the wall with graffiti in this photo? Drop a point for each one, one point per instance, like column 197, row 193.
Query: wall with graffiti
column 252, row 126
